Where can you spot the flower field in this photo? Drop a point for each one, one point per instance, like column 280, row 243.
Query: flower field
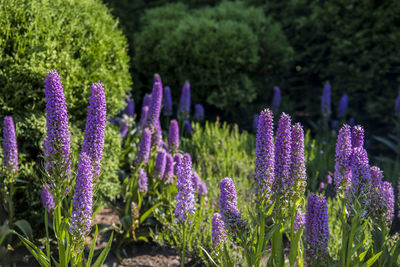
column 219, row 196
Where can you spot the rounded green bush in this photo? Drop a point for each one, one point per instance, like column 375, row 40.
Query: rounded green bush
column 229, row 53
column 81, row 40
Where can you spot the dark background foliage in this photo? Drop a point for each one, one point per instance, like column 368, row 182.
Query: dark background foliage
column 353, row 44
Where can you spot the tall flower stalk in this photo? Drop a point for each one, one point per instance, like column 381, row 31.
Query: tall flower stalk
column 184, row 103
column 93, row 142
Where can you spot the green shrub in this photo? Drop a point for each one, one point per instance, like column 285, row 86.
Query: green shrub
column 229, row 53
column 81, row 40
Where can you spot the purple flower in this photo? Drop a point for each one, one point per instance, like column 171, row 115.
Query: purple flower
column 196, row 181
column 343, row 156
column 93, row 142
column 199, row 112
column 228, row 204
column 316, row 227
column 144, row 148
column 57, row 142
column 187, row 127
column 184, row 103
column 143, row 118
column 282, row 155
column 397, row 105
column 357, row 136
column 130, row 107
column 159, row 167
column 276, row 101
column 343, row 105
column 47, row 199
column 82, row 203
column 255, row 122
column 173, row 137
column 361, row 174
column 326, row 100
column 376, row 176
column 322, row 185
column 218, row 230
column 203, row 189
column 146, row 100
column 388, row 197
column 264, row 163
column 10, row 148
column 142, row 181
column 156, row 138
column 167, row 108
column 298, row 167
column 185, row 204
column 177, row 161
column 299, row 220
column 155, row 105
column 329, row 178
column 169, row 169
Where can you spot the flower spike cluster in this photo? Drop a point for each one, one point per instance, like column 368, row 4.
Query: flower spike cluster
column 276, row 101
column 343, row 156
column 155, row 105
column 159, row 167
column 144, row 148
column 82, row 202
column 93, row 142
column 264, row 163
column 173, row 137
column 47, row 199
column 167, row 108
column 57, row 142
column 10, row 148
column 184, row 103
column 199, row 112
column 298, row 168
column 185, row 197
column 218, row 230
column 343, row 106
column 228, row 205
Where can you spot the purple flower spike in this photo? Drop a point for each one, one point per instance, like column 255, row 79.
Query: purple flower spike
column 326, row 100
column 93, row 142
column 228, row 204
column 143, row 118
column 283, row 155
column 156, row 138
column 298, row 168
column 264, row 163
column 146, row 100
column 159, row 167
column 142, row 181
column 316, row 227
column 276, row 101
column 196, row 181
column 185, row 204
column 173, row 137
column 155, row 105
column 187, row 127
column 343, row 106
column 357, row 136
column 130, row 107
column 144, row 148
column 169, row 169
column 388, row 197
column 361, row 174
column 299, row 220
column 82, row 203
column 177, row 161
column 199, row 112
column 203, row 190
column 376, row 176
column 397, row 105
column 167, row 108
column 10, row 148
column 57, row 142
column 47, row 199
column 343, row 156
column 184, row 103
column 218, row 230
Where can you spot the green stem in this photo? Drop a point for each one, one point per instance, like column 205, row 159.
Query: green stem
column 344, row 232
column 11, row 206
column 46, row 222
column 183, row 246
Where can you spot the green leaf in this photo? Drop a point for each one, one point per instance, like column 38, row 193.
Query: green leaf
column 89, row 261
column 25, row 227
column 373, row 259
column 148, row 212
column 209, row 256
column 126, row 222
column 103, row 255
